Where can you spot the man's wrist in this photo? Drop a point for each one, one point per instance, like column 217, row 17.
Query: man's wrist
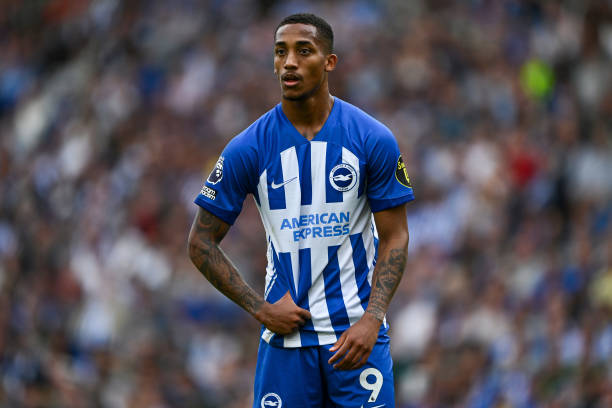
column 259, row 311
column 379, row 315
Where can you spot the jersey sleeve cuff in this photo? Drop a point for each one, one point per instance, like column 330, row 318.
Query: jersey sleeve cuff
column 227, row 216
column 380, row 205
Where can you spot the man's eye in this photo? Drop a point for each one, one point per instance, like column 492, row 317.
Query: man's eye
column 280, row 52
column 304, row 51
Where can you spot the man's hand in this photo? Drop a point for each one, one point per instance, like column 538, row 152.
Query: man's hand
column 283, row 316
column 355, row 345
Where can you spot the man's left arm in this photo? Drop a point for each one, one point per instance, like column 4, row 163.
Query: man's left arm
column 355, row 345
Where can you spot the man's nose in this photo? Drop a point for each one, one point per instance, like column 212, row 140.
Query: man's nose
column 291, row 60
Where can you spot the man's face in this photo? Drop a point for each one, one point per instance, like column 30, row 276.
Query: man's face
column 300, row 61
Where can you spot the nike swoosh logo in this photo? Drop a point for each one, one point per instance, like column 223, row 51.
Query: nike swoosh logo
column 275, row 186
column 378, row 406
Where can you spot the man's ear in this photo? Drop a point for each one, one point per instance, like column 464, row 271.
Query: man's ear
column 330, row 62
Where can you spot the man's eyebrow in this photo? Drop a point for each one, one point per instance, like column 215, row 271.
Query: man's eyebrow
column 284, row 44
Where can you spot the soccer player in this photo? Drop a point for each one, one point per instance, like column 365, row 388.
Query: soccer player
column 318, row 168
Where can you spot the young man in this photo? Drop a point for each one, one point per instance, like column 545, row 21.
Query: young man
column 318, row 169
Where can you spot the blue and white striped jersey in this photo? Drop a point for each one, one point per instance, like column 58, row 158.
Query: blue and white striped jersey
column 316, row 200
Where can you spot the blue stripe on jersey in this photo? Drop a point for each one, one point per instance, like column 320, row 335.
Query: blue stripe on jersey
column 360, row 261
column 362, row 179
column 334, row 157
column 375, row 250
column 277, row 340
column 276, row 196
column 270, row 284
column 333, row 292
column 280, row 286
column 307, row 332
column 285, row 265
column 304, row 157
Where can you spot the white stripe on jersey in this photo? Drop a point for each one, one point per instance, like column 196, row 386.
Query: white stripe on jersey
column 318, row 158
column 319, row 255
column 267, row 335
column 262, row 192
column 316, row 296
column 293, row 197
column 350, row 158
column 348, row 282
column 368, row 243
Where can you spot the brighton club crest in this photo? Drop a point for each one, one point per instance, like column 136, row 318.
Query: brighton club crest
column 343, row 177
column 271, row 400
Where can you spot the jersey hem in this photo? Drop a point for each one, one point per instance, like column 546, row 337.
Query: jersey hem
column 380, row 205
column 276, row 340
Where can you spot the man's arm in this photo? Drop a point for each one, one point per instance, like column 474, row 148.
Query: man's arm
column 355, row 345
column 392, row 252
column 207, row 231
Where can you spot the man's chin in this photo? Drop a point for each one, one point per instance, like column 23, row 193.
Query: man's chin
column 294, row 96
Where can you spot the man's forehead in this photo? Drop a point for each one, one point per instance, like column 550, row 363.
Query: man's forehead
column 296, row 32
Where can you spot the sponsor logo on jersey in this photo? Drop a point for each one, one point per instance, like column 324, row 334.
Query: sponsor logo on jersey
column 343, row 177
column 401, row 174
column 318, row 225
column 279, row 185
column 216, row 174
column 271, row 400
column 208, row 192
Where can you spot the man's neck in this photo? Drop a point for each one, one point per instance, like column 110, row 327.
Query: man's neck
column 309, row 115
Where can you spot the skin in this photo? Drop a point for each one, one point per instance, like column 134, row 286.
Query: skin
column 207, row 231
column 299, row 54
column 302, row 65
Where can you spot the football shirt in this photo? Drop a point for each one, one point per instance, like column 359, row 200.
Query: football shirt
column 316, row 199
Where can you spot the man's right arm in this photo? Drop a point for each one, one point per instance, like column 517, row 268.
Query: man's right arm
column 207, row 231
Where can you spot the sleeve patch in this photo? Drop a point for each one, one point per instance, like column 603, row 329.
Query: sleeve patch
column 401, row 174
column 208, row 193
column 216, row 174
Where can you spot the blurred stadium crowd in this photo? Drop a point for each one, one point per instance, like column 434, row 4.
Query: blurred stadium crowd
column 113, row 112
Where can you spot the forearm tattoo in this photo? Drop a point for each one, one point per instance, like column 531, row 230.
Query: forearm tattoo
column 387, row 276
column 206, row 255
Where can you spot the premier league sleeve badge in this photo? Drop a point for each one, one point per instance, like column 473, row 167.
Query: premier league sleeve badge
column 216, row 174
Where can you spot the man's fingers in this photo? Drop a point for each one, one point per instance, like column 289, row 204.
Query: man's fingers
column 305, row 314
column 338, row 343
column 350, row 356
column 358, row 361
column 339, row 354
column 352, row 359
column 348, row 360
column 362, row 360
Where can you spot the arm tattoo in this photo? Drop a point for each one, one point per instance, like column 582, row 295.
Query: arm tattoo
column 206, row 233
column 386, row 278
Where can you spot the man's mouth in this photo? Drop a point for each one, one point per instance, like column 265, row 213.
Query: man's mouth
column 290, row 80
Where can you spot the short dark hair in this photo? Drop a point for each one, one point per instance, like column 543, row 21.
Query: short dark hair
column 325, row 33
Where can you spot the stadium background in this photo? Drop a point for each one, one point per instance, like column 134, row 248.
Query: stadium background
column 112, row 113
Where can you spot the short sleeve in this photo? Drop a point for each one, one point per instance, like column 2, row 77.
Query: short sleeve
column 388, row 184
column 232, row 178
